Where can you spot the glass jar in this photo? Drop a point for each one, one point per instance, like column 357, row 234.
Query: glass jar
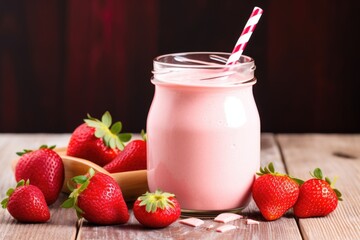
column 203, row 131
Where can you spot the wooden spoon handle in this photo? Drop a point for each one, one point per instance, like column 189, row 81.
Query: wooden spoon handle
column 74, row 166
column 133, row 183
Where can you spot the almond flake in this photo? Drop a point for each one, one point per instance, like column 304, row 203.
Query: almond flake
column 225, row 228
column 251, row 221
column 227, row 217
column 194, row 222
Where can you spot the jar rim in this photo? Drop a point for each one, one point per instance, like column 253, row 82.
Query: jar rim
column 173, row 60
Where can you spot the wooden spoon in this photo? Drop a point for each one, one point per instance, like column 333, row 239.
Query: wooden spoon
column 132, row 183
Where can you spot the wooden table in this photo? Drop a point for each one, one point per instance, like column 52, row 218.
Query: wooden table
column 297, row 154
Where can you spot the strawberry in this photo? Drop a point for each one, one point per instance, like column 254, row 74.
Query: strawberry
column 274, row 193
column 133, row 157
column 317, row 197
column 44, row 168
column 97, row 141
column 26, row 203
column 156, row 210
column 98, row 199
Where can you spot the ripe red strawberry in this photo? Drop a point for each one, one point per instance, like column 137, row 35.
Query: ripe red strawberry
column 274, row 193
column 26, row 203
column 317, row 198
column 132, row 158
column 44, row 168
column 98, row 199
column 97, row 141
column 156, row 210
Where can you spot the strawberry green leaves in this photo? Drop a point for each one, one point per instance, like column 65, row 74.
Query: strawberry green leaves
column 158, row 199
column 41, row 147
column 110, row 133
column 267, row 170
column 157, row 209
column 271, row 170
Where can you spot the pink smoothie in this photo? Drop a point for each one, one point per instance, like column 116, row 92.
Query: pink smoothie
column 203, row 141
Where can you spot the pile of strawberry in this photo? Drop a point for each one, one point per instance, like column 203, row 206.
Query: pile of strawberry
column 95, row 196
column 275, row 193
column 102, row 142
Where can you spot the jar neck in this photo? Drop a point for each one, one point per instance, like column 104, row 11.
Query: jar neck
column 203, row 69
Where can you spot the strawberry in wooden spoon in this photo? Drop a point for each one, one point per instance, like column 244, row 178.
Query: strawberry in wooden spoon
column 97, row 141
column 132, row 158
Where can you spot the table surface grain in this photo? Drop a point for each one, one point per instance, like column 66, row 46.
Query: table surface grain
column 297, row 154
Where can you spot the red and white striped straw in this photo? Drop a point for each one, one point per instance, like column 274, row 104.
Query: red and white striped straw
column 245, row 35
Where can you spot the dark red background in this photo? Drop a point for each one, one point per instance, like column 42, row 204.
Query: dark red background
column 60, row 60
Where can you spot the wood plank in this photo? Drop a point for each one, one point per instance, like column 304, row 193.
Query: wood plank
column 337, row 155
column 284, row 228
column 62, row 224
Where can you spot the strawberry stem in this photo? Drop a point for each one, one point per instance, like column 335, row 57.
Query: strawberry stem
column 143, row 135
column 267, row 170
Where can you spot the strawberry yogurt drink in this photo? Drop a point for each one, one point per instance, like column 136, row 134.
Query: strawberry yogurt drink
column 203, row 131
